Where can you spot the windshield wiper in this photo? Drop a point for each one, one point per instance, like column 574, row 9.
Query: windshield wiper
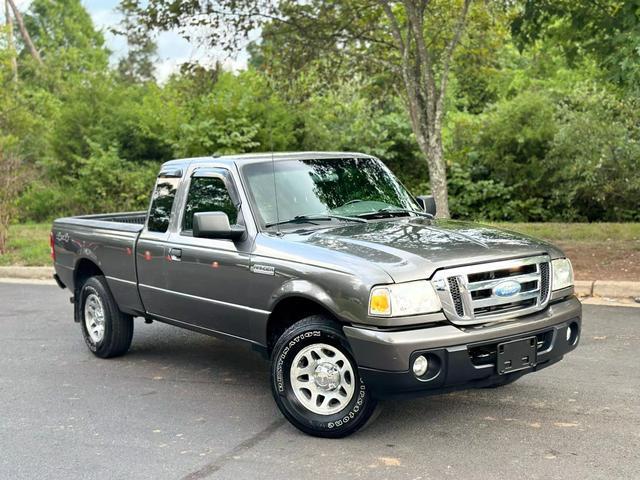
column 392, row 210
column 319, row 218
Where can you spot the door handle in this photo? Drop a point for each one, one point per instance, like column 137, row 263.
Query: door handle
column 175, row 254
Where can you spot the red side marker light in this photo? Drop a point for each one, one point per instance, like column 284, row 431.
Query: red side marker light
column 52, row 246
column 147, row 255
column 215, row 264
column 129, row 251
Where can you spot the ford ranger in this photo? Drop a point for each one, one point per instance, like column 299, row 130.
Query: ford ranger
column 326, row 264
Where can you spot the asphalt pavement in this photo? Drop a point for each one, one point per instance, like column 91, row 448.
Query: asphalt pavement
column 181, row 405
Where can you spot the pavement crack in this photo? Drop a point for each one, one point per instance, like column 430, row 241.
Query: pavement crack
column 212, row 467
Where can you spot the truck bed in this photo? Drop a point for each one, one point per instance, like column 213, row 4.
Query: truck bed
column 106, row 240
column 127, row 221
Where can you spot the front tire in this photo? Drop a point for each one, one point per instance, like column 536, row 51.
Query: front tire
column 106, row 330
column 315, row 380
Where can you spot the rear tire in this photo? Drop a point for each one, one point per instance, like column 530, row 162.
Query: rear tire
column 315, row 380
column 106, row 330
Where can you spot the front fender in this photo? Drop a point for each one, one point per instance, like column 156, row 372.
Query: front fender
column 348, row 308
column 304, row 289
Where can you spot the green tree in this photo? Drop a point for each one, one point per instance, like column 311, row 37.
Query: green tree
column 608, row 30
column 138, row 64
column 415, row 40
column 23, row 136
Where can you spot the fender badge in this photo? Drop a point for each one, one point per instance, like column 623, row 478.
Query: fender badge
column 263, row 269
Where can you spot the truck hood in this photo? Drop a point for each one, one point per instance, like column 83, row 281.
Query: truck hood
column 414, row 248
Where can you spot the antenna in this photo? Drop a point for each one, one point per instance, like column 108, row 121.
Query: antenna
column 273, row 161
column 275, row 183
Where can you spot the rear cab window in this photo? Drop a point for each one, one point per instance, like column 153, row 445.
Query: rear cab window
column 164, row 195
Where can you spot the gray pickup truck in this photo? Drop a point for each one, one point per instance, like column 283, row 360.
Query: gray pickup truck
column 327, row 265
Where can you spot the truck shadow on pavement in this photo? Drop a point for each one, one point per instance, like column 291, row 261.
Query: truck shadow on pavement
column 234, row 371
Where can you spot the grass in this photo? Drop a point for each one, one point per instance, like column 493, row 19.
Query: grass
column 28, row 244
column 578, row 232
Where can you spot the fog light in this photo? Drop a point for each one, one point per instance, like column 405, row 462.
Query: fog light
column 573, row 332
column 420, row 366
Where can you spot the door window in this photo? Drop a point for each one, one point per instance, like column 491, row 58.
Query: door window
column 208, row 194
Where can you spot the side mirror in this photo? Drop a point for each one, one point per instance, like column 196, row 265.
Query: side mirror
column 428, row 203
column 215, row 225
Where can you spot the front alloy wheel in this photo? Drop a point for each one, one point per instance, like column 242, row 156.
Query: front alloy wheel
column 322, row 379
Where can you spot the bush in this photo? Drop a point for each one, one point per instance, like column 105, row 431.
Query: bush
column 42, row 203
column 107, row 183
column 548, row 155
column 486, row 199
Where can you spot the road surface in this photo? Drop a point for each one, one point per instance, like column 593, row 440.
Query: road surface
column 185, row 406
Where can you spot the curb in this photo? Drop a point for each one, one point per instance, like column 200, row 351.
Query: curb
column 583, row 288
column 607, row 288
column 27, row 273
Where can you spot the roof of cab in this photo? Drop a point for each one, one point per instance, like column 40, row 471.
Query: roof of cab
column 246, row 158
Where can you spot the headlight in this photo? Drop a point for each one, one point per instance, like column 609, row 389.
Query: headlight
column 562, row 274
column 400, row 299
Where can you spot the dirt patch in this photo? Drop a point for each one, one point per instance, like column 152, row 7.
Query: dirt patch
column 604, row 261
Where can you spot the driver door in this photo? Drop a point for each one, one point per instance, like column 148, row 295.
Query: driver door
column 208, row 277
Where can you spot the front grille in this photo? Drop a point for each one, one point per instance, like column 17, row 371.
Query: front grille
column 455, row 295
column 507, row 307
column 544, row 280
column 494, row 291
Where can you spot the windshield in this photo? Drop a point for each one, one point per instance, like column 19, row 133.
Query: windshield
column 349, row 187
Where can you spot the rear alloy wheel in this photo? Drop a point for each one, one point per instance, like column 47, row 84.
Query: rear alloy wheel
column 94, row 317
column 315, row 381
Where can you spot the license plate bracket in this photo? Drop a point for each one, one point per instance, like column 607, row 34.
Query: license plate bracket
column 516, row 355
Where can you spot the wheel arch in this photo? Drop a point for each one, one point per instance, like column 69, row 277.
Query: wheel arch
column 84, row 269
column 291, row 309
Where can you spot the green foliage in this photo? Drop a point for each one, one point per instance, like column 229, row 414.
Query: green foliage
column 607, row 30
column 71, row 48
column 485, row 198
column 41, row 202
column 345, row 118
column 596, row 151
column 553, row 150
column 138, row 64
column 538, row 132
column 101, row 179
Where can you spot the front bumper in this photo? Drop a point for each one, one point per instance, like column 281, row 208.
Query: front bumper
column 461, row 357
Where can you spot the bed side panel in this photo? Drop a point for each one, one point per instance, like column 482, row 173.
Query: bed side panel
column 110, row 246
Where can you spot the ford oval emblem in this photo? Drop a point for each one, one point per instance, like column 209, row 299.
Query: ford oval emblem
column 507, row 289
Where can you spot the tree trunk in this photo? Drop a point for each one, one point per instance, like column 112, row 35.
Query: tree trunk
column 431, row 146
column 438, row 173
column 23, row 31
column 12, row 50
